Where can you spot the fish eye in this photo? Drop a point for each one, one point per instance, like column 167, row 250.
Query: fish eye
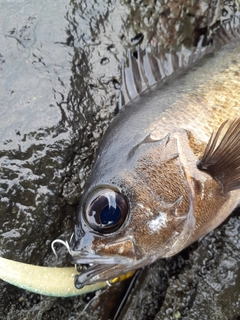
column 105, row 210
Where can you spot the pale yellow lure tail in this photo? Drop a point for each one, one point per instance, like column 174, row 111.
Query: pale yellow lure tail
column 49, row 281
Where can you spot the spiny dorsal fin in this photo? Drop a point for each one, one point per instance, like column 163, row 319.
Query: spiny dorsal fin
column 221, row 158
column 153, row 66
column 144, row 69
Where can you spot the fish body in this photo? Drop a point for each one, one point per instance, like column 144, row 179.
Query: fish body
column 159, row 183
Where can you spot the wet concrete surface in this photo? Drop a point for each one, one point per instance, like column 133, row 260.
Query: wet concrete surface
column 59, row 85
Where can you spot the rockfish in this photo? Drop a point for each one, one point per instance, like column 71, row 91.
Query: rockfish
column 167, row 170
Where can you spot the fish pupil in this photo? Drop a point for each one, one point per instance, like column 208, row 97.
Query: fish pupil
column 110, row 215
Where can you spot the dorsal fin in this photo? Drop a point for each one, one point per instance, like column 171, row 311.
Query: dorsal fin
column 145, row 68
column 221, row 158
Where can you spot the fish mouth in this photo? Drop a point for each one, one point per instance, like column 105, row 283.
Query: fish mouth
column 81, row 257
column 95, row 273
column 94, row 268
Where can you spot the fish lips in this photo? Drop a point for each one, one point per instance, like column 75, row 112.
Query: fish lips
column 95, row 268
column 104, row 265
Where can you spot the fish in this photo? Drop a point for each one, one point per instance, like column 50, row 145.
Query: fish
column 167, row 170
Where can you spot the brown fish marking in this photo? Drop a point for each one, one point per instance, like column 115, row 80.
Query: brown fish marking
column 166, row 204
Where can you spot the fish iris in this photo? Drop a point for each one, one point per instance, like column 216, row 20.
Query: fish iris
column 105, row 210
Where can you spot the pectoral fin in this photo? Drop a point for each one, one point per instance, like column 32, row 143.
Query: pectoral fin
column 221, row 158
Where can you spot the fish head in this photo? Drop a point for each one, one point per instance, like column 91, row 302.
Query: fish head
column 134, row 215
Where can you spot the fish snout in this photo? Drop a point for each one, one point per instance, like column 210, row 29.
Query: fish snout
column 111, row 261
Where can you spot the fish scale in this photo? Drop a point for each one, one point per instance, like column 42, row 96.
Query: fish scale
column 206, row 105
